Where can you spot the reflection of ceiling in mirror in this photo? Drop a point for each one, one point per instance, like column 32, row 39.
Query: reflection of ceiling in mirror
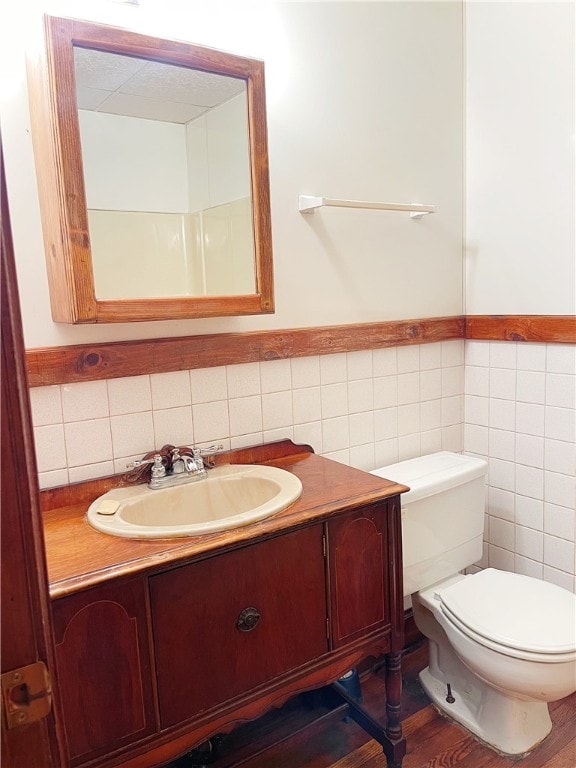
column 122, row 85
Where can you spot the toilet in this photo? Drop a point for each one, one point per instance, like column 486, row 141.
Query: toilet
column 501, row 645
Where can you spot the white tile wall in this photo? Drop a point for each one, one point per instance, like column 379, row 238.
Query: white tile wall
column 511, row 403
column 365, row 408
column 520, row 414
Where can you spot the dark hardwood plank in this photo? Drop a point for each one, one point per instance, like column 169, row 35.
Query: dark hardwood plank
column 543, row 328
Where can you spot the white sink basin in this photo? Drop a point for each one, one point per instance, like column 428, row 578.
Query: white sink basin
column 231, row 496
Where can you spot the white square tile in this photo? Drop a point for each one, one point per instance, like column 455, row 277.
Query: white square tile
column 309, row 434
column 530, row 418
column 561, row 358
column 408, row 358
column 359, row 364
column 453, row 438
column 90, row 471
column 131, row 394
column 384, row 361
column 476, row 381
column 559, row 553
column 431, row 384
column 502, row 413
column 529, row 543
column 243, row 379
column 277, row 410
column 561, row 390
column 385, row 452
column 453, row 381
column 502, row 444
column 275, row 376
column 502, row 533
column 531, row 357
column 385, row 423
column 408, row 419
column 307, row 405
column 477, row 410
column 385, row 391
column 501, row 559
column 334, row 400
column 530, row 481
column 560, row 456
column 335, row 434
column 208, row 384
column 361, row 426
column 560, row 489
column 531, row 386
column 50, row 447
column 89, row 442
column 53, row 479
column 501, row 503
column 281, row 433
column 333, row 368
column 245, row 415
column 476, row 440
column 503, row 383
column 173, row 426
column 305, row 371
column 409, row 447
column 246, row 441
column 132, row 433
column 527, row 567
column 360, row 396
column 210, row 421
column 342, row 456
column 430, row 441
column 501, row 474
column 559, row 521
column 503, row 354
column 452, row 353
column 84, row 400
column 408, row 388
column 529, row 512
column 430, row 356
column 430, row 415
column 530, row 450
column 46, row 405
column 170, row 390
column 362, row 456
column 477, row 353
column 560, row 424
column 452, row 410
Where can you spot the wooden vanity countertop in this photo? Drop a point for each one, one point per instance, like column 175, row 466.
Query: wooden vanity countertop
column 78, row 556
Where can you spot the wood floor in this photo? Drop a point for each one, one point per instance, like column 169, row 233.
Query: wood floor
column 306, row 733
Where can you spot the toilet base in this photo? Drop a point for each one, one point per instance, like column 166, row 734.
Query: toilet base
column 510, row 726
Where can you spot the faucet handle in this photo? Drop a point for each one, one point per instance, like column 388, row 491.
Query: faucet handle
column 158, row 468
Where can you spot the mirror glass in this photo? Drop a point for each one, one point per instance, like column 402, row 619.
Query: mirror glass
column 166, row 164
column 152, row 164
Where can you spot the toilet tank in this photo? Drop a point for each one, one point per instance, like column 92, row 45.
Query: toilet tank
column 442, row 515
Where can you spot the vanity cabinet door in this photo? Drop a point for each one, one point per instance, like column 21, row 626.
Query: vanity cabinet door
column 225, row 625
column 358, row 567
column 103, row 668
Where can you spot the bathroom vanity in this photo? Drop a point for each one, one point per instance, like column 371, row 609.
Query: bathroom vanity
column 163, row 643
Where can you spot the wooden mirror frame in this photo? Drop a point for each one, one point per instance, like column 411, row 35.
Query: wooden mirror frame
column 57, row 149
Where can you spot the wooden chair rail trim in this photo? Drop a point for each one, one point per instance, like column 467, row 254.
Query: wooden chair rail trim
column 63, row 365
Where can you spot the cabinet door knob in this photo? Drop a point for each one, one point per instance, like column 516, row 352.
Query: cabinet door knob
column 248, row 619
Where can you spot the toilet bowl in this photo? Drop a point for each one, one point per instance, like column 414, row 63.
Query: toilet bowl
column 501, row 645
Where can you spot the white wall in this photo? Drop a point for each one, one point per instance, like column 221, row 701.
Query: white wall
column 520, row 199
column 364, row 101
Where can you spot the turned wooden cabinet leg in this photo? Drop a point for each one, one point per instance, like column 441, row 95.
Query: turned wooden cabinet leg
column 393, row 696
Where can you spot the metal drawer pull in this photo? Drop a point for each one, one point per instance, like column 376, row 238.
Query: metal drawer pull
column 248, row 619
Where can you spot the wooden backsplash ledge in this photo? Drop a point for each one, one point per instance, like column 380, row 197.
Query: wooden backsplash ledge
column 62, row 365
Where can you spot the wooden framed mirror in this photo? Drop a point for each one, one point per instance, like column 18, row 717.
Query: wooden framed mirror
column 152, row 167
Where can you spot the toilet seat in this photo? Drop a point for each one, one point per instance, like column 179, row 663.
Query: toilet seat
column 514, row 614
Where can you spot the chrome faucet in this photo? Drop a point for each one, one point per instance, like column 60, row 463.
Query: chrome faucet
column 175, row 466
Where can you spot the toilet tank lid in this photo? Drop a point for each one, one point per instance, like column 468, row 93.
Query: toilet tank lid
column 433, row 473
column 516, row 611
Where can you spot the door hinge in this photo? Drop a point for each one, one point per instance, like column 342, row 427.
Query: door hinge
column 26, row 694
column 324, row 548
